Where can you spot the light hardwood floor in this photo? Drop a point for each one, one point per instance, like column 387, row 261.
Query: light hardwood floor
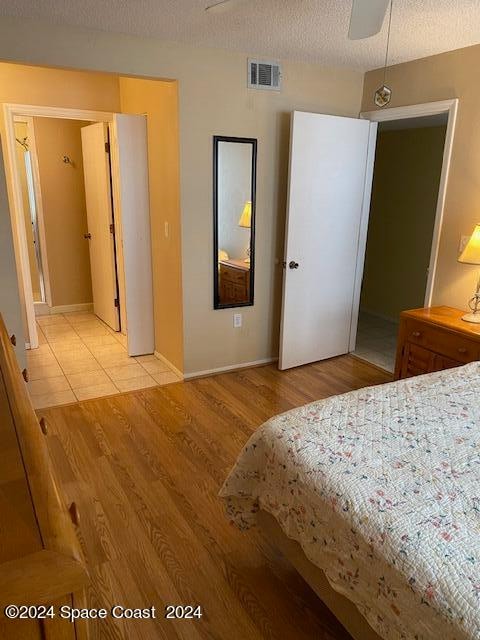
column 145, row 469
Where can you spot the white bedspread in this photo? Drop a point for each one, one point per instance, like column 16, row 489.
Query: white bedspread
column 381, row 487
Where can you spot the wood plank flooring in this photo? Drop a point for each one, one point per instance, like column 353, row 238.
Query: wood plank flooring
column 145, row 469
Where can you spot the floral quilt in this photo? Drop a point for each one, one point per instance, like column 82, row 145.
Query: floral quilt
column 381, row 488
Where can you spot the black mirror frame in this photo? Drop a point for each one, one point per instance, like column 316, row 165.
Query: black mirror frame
column 253, row 141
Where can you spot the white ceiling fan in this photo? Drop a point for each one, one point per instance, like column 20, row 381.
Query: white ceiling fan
column 366, row 18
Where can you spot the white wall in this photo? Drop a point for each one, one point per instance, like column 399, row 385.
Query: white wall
column 213, row 100
column 234, row 190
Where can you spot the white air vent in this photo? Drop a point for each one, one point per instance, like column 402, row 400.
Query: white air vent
column 264, row 75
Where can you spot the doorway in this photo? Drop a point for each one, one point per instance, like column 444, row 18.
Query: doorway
column 87, row 190
column 64, row 174
column 403, row 209
column 330, row 184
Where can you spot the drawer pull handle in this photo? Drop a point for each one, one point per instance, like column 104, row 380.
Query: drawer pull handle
column 416, row 334
column 13, row 339
column 43, row 426
column 25, row 375
column 462, row 350
column 74, row 514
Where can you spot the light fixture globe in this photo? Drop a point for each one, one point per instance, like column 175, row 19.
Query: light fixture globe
column 383, row 95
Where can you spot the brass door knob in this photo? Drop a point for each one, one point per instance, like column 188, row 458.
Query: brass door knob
column 87, row 236
column 25, row 375
column 13, row 340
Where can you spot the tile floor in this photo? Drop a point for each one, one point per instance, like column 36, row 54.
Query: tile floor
column 79, row 357
column 376, row 341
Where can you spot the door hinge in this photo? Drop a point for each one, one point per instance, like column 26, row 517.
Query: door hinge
column 116, row 302
column 112, row 228
column 107, row 147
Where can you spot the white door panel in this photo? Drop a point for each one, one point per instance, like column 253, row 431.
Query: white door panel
column 331, row 170
column 96, row 168
column 132, row 214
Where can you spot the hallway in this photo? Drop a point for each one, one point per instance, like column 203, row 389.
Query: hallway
column 79, row 358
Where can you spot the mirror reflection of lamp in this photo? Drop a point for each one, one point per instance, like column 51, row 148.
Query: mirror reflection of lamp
column 471, row 255
column 246, row 222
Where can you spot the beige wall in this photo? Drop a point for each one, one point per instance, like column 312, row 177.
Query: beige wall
column 159, row 101
column 64, row 212
column 449, row 75
column 213, row 99
column 21, row 84
column 408, row 164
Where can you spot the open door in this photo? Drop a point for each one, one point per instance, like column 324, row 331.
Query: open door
column 132, row 218
column 331, row 171
column 101, row 238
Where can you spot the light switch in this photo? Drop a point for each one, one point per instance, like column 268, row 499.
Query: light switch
column 237, row 320
column 167, row 229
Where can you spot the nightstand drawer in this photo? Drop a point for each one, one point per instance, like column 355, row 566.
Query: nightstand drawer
column 234, row 275
column 441, row 341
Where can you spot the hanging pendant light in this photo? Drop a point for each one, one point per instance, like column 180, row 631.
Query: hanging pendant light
column 383, row 94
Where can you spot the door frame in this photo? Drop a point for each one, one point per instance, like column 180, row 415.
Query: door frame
column 28, row 120
column 16, row 203
column 450, row 107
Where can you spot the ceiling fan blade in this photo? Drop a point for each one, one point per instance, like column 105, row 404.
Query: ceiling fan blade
column 223, row 5
column 367, row 18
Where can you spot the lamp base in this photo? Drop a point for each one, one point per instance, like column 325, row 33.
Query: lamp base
column 472, row 317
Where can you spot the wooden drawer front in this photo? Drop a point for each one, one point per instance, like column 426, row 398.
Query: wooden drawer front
column 233, row 275
column 443, row 342
column 440, row 363
column 416, row 361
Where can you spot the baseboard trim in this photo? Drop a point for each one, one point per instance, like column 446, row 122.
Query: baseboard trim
column 169, row 364
column 41, row 309
column 86, row 307
column 231, row 367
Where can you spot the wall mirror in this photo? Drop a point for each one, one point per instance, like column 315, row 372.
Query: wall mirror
column 234, row 175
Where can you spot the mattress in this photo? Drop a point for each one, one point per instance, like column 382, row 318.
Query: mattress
column 381, row 488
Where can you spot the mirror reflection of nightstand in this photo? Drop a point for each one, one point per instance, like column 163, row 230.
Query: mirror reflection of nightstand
column 234, row 282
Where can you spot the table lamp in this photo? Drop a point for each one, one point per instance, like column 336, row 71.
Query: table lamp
column 471, row 255
column 246, row 222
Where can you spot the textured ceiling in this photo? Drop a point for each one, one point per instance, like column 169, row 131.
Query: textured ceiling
column 306, row 30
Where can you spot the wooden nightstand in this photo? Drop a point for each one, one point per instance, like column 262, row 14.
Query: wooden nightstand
column 234, row 281
column 434, row 339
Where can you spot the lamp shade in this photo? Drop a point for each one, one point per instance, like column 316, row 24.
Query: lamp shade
column 471, row 253
column 246, row 217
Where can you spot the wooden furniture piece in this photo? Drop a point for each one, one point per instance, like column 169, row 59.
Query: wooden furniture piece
column 234, row 281
column 342, row 608
column 434, row 339
column 40, row 556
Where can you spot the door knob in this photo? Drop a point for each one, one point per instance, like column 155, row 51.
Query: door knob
column 292, row 264
column 87, row 236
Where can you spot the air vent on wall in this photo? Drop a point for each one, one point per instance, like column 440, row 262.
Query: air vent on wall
column 264, row 75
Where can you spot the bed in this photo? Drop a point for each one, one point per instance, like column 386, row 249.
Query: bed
column 377, row 494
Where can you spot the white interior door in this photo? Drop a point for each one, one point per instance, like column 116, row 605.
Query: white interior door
column 132, row 219
column 331, row 170
column 96, row 168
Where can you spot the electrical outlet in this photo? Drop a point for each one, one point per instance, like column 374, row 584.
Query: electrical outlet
column 237, row 320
